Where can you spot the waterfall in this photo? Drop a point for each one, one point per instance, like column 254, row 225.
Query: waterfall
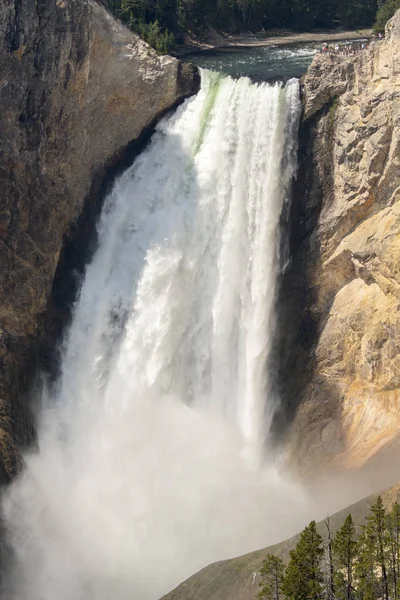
column 151, row 441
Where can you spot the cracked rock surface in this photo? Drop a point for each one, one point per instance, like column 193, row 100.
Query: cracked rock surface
column 343, row 359
column 344, row 356
column 75, row 88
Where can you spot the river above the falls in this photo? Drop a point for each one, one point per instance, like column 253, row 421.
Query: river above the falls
column 261, row 63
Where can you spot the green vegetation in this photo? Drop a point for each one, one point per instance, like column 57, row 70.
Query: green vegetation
column 272, row 573
column 342, row 567
column 154, row 21
column 163, row 23
column 304, row 578
column 344, row 548
column 386, row 10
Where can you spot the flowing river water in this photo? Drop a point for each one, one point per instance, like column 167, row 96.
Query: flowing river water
column 260, row 63
column 154, row 457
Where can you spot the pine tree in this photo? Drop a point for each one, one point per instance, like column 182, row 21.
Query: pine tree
column 373, row 555
column 303, row 578
column 393, row 529
column 377, row 529
column 272, row 572
column 175, row 17
column 344, row 548
column 367, row 584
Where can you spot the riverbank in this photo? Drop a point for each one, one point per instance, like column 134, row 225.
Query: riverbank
column 218, row 42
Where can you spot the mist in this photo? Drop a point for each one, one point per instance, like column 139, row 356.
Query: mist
column 154, row 458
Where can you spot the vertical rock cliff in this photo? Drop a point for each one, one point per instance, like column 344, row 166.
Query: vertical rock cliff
column 75, row 88
column 341, row 361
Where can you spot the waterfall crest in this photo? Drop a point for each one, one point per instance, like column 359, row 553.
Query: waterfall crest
column 150, row 442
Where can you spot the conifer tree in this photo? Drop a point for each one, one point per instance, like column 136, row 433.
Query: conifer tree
column 377, row 529
column 303, row 578
column 365, row 576
column 393, row 530
column 272, row 572
column 344, row 548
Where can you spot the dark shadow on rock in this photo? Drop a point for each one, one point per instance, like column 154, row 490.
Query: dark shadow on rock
column 300, row 320
column 78, row 250
column 79, row 246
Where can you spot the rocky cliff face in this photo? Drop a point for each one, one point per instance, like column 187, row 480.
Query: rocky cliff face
column 342, row 362
column 75, row 88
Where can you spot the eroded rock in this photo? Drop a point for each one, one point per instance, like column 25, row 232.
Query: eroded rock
column 75, row 88
column 346, row 241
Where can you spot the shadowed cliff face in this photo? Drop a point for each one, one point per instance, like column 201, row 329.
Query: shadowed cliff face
column 76, row 88
column 341, row 362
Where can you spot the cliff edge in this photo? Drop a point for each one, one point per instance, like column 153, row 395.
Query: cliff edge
column 75, row 88
column 341, row 362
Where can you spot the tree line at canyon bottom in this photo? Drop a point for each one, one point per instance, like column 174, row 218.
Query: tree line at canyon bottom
column 345, row 566
column 164, row 23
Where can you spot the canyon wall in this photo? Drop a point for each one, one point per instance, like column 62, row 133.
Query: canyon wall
column 76, row 87
column 340, row 364
column 338, row 344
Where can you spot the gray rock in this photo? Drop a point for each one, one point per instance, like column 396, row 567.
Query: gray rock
column 75, row 88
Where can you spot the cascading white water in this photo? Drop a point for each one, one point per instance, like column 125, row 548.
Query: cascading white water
column 148, row 465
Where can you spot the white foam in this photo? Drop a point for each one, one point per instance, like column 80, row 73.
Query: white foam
column 149, row 464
